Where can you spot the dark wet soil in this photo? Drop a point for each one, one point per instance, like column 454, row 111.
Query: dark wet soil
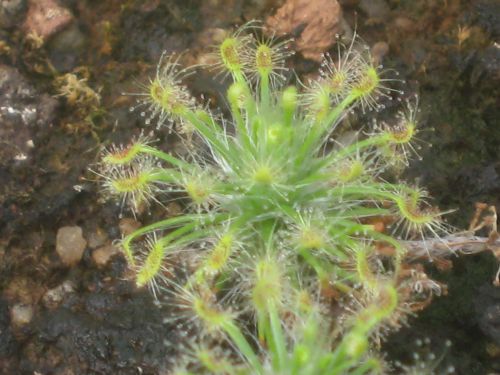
column 103, row 327
column 446, row 50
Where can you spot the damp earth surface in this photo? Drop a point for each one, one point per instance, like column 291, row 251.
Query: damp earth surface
column 67, row 305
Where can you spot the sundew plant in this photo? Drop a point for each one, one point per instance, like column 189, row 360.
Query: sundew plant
column 286, row 265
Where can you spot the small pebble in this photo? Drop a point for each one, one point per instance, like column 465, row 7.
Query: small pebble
column 97, row 238
column 21, row 314
column 70, row 245
column 378, row 52
column 128, row 225
column 102, row 255
column 54, row 296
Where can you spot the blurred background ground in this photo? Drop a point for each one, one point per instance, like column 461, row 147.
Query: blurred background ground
column 66, row 306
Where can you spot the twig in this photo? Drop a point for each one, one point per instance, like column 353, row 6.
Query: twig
column 451, row 245
column 458, row 244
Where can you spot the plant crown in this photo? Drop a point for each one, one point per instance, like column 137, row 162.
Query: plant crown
column 284, row 219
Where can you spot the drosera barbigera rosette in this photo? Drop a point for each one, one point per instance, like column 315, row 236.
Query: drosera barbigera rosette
column 280, row 228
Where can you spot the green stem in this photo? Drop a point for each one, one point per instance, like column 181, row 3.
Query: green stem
column 167, row 239
column 250, row 104
column 355, row 147
column 262, row 326
column 211, row 135
column 368, row 192
column 152, row 264
column 336, row 363
column 336, row 112
column 369, row 365
column 166, row 157
column 276, row 338
column 165, row 175
column 313, row 262
column 235, row 94
column 289, row 104
column 161, row 225
column 264, row 91
column 238, row 120
column 243, row 346
column 316, row 133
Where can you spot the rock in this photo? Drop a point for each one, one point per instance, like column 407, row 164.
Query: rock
column 21, row 110
column 97, row 238
column 11, row 12
column 21, row 314
column 313, row 23
column 140, row 38
column 70, row 245
column 46, row 18
column 27, row 118
column 128, row 225
column 53, row 297
column 102, row 255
